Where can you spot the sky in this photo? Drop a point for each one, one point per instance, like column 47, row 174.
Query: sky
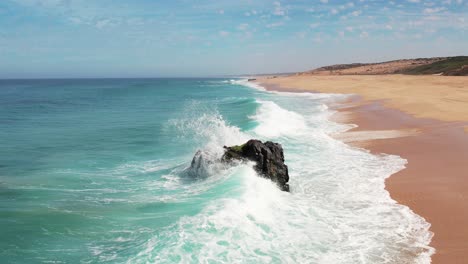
column 200, row 38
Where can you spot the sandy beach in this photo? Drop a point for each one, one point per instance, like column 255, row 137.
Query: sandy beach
column 423, row 119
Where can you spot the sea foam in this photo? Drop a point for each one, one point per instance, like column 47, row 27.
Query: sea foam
column 338, row 210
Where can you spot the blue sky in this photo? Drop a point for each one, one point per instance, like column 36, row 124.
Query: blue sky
column 143, row 38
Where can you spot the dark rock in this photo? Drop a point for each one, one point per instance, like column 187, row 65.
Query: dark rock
column 268, row 156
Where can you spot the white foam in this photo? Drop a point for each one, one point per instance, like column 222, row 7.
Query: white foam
column 354, row 136
column 327, row 97
column 275, row 121
column 247, row 83
column 338, row 210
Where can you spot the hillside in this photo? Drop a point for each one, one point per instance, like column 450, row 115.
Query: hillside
column 453, row 66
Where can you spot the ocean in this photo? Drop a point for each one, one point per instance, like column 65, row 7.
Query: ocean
column 96, row 171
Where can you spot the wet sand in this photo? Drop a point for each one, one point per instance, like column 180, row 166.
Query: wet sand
column 434, row 183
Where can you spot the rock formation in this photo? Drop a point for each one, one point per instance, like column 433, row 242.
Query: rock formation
column 268, row 156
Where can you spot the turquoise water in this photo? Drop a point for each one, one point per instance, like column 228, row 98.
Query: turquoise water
column 95, row 171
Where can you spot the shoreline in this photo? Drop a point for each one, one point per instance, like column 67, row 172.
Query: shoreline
column 433, row 184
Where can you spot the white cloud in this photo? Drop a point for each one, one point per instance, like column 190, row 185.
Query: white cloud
column 414, row 1
column 279, row 10
column 324, row 1
column 43, row 3
column 433, row 10
column 433, row 18
column 364, row 34
column 356, row 13
column 75, row 20
column 314, row 25
column 73, row 12
column 223, row 33
column 277, row 24
column 103, row 23
column 301, row 34
column 334, row 11
column 135, row 21
column 243, row 26
column 317, row 39
column 221, row 11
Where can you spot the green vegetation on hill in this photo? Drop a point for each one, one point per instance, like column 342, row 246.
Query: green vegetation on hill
column 455, row 66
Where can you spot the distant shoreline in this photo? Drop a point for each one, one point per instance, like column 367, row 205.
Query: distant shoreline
column 422, row 119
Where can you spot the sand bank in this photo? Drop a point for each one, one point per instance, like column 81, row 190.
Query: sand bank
column 438, row 97
column 424, row 121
